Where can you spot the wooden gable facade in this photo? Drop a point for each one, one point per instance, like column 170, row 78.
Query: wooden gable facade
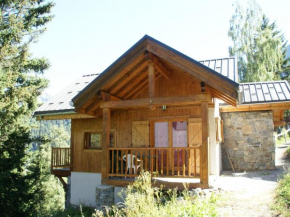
column 149, row 86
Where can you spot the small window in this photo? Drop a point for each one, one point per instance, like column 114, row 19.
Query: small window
column 93, row 140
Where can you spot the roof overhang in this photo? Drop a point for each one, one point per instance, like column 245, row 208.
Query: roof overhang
column 60, row 115
column 221, row 87
column 256, row 107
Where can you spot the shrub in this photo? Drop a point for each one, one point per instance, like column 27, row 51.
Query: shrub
column 141, row 199
column 283, row 196
column 81, row 211
column 288, row 152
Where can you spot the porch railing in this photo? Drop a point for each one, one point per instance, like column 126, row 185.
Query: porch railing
column 60, row 158
column 167, row 162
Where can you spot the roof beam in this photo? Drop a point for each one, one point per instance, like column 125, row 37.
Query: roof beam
column 127, row 90
column 172, row 100
column 127, row 77
column 92, row 107
column 105, row 96
column 151, row 80
column 159, row 66
column 144, row 86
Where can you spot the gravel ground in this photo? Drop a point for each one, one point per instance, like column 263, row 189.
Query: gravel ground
column 250, row 193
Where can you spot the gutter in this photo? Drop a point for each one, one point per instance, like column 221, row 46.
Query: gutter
column 50, row 113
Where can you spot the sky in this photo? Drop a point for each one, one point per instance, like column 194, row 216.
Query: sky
column 85, row 37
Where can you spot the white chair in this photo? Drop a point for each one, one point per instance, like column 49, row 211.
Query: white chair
column 130, row 162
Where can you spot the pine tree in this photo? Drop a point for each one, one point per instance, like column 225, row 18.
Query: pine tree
column 21, row 22
column 260, row 48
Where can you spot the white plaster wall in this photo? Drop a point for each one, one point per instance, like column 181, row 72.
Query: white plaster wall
column 83, row 188
column 212, row 142
column 117, row 191
column 219, row 147
column 215, row 166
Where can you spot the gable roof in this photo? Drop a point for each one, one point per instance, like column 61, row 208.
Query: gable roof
column 265, row 92
column 220, row 86
column 61, row 101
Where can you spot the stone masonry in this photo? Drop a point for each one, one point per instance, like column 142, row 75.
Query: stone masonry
column 104, row 196
column 248, row 136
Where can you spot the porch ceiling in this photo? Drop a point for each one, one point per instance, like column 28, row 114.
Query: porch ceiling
column 127, row 78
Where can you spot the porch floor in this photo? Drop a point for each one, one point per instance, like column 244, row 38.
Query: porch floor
column 166, row 182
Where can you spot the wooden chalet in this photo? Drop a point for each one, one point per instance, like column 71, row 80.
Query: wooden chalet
column 154, row 109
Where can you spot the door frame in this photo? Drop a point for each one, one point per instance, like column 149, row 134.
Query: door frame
column 169, row 121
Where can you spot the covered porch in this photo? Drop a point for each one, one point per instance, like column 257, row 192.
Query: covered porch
column 167, row 162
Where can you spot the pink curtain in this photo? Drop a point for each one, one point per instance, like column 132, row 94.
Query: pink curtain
column 179, row 131
column 179, row 134
column 161, row 134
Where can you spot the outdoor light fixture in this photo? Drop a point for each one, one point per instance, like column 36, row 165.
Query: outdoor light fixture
column 202, row 87
column 163, row 107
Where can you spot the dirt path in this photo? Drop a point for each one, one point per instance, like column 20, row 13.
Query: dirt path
column 252, row 193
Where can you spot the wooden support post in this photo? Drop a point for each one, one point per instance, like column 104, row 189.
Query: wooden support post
column 151, row 80
column 106, row 141
column 204, row 148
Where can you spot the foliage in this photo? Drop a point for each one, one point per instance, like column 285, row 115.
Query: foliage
column 141, row 199
column 15, row 180
column 56, row 131
column 21, row 22
column 281, row 139
column 282, row 203
column 27, row 188
column 288, row 151
column 73, row 212
column 50, row 194
column 260, row 48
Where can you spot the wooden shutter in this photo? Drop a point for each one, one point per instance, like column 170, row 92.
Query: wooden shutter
column 194, row 133
column 140, row 133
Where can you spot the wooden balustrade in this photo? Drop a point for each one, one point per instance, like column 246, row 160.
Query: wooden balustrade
column 167, row 162
column 60, row 158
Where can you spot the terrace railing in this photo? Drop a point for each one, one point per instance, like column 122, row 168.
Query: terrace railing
column 60, row 158
column 166, row 162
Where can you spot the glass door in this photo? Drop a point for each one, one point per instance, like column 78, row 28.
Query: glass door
column 170, row 134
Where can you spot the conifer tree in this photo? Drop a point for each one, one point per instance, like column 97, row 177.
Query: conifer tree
column 260, row 48
column 21, row 22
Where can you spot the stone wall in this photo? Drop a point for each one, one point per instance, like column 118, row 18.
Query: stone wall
column 248, row 137
column 104, row 196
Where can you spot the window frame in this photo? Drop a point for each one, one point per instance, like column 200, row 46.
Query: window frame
column 87, row 140
column 113, row 139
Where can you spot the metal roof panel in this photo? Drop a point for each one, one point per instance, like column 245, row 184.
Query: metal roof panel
column 266, row 91
column 62, row 100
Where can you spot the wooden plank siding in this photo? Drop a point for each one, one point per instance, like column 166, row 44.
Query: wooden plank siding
column 85, row 160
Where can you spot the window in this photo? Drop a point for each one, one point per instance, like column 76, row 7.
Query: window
column 93, row 140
